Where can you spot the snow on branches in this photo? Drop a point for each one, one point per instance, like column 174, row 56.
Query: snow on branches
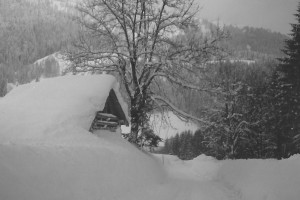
column 145, row 42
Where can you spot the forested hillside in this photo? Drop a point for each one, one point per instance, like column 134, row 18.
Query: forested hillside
column 255, row 43
column 30, row 30
column 249, row 43
column 260, row 46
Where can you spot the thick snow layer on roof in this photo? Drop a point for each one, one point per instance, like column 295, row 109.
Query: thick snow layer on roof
column 57, row 109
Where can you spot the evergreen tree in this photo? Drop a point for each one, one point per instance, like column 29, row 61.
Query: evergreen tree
column 197, row 142
column 175, row 142
column 3, row 81
column 186, row 148
column 286, row 90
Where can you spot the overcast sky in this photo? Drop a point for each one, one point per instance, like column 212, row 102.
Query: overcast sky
column 271, row 14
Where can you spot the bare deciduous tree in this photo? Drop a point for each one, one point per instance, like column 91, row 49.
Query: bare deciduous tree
column 147, row 42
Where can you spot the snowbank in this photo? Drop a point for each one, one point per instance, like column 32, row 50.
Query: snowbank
column 263, row 179
column 112, row 170
column 54, row 111
column 47, row 153
column 245, row 179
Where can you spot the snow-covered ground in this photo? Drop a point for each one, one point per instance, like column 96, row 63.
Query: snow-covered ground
column 168, row 125
column 232, row 61
column 237, row 179
column 107, row 169
column 115, row 170
column 46, row 152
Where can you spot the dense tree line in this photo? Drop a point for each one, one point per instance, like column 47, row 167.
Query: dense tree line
column 255, row 43
column 236, row 114
column 185, row 145
column 257, row 112
column 238, row 128
column 254, row 116
column 284, row 116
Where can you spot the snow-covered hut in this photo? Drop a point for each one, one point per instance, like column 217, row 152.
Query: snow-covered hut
column 111, row 116
column 62, row 108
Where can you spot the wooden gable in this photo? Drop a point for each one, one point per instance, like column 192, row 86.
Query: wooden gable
column 113, row 106
column 111, row 116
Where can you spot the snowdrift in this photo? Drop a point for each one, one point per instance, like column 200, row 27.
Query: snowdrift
column 113, row 169
column 47, row 153
column 263, row 179
column 55, row 111
column 245, row 179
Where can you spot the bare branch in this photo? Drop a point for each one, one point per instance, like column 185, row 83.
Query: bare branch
column 163, row 102
column 145, row 42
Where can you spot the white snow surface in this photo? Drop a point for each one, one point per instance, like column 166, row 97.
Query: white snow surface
column 167, row 125
column 46, row 153
column 251, row 179
column 56, row 110
column 111, row 169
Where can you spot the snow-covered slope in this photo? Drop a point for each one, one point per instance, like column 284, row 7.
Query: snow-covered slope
column 168, row 124
column 263, row 179
column 62, row 5
column 46, row 151
column 237, row 179
column 107, row 169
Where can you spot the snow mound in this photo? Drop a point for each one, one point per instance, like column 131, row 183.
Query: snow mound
column 263, row 179
column 251, row 179
column 112, row 170
column 202, row 168
column 47, row 152
column 56, row 110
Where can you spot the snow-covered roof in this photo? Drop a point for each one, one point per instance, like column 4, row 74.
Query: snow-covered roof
column 59, row 108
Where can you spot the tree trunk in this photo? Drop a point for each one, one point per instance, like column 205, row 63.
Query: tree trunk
column 134, row 127
column 278, row 152
column 139, row 118
column 135, row 122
